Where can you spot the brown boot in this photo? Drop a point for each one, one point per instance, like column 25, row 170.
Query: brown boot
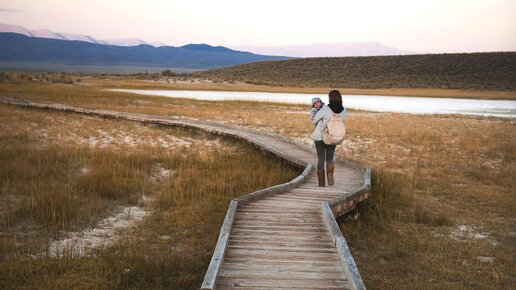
column 329, row 172
column 320, row 176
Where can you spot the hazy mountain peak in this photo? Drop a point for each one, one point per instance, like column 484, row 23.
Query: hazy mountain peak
column 15, row 29
column 369, row 48
column 204, row 46
column 47, row 33
column 131, row 41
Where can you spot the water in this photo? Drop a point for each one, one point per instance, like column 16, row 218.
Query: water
column 396, row 104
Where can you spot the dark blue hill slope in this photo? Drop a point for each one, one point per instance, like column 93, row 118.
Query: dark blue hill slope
column 20, row 48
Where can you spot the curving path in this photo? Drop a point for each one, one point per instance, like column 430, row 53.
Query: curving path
column 280, row 237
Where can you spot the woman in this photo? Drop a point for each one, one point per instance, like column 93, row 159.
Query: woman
column 326, row 152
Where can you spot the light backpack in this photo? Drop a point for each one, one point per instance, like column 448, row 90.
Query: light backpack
column 334, row 130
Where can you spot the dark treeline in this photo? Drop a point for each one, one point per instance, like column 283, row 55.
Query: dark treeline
column 477, row 71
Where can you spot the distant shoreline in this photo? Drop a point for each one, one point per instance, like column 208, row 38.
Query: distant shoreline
column 243, row 87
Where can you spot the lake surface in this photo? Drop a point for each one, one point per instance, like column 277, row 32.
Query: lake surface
column 410, row 105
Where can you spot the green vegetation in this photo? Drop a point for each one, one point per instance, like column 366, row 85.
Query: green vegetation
column 475, row 71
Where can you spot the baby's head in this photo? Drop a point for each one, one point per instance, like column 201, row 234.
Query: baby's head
column 316, row 102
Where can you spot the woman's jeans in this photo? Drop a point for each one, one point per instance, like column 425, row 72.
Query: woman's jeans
column 324, row 153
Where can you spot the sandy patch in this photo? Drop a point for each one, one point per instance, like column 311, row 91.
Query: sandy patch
column 467, row 232
column 106, row 233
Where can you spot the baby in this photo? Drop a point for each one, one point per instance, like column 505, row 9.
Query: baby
column 317, row 104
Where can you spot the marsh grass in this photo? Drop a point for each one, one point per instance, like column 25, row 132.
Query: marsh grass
column 433, row 177
column 52, row 184
column 443, row 189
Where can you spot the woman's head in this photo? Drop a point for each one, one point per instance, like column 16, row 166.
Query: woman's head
column 335, row 97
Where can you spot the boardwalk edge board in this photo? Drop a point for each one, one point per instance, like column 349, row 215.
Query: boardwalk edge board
column 210, row 279
column 330, row 210
column 347, row 261
column 277, row 188
column 346, row 203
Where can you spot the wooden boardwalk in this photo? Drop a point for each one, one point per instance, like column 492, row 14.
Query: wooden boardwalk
column 281, row 237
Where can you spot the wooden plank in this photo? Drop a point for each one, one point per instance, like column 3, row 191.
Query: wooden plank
column 271, row 254
column 279, row 221
column 285, row 283
column 277, row 232
column 255, row 224
column 283, row 274
column 291, row 196
column 316, row 189
column 328, row 217
column 301, row 199
column 315, row 196
column 279, row 238
column 284, row 205
column 285, row 243
column 285, row 249
column 280, row 227
column 343, row 204
column 278, row 211
column 210, row 279
column 308, row 194
column 292, row 203
column 290, row 266
column 355, row 280
column 277, row 188
column 347, row 261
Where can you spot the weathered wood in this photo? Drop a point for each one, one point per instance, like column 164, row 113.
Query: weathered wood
column 277, row 188
column 274, row 237
column 342, row 205
column 210, row 279
column 348, row 263
column 282, row 274
column 285, row 262
column 367, row 177
column 292, row 283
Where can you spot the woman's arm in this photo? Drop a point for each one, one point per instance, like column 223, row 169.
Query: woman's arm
column 312, row 114
column 319, row 116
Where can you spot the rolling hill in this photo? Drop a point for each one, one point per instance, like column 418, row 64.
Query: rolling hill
column 479, row 71
column 23, row 49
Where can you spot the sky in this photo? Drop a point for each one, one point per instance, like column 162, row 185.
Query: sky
column 436, row 26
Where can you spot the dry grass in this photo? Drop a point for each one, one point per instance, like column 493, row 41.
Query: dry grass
column 434, row 178
column 185, row 83
column 63, row 173
column 443, row 185
column 204, row 84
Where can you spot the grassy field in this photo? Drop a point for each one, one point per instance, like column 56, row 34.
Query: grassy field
column 181, row 82
column 442, row 211
column 66, row 175
column 466, row 71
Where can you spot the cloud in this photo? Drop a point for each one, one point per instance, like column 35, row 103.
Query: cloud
column 9, row 10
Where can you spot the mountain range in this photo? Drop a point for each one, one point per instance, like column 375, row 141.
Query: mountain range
column 47, row 33
column 18, row 50
column 372, row 48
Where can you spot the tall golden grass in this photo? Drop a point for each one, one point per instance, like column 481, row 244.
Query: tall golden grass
column 443, row 186
column 50, row 188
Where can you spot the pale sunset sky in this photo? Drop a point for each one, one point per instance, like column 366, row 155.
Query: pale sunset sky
column 419, row 25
